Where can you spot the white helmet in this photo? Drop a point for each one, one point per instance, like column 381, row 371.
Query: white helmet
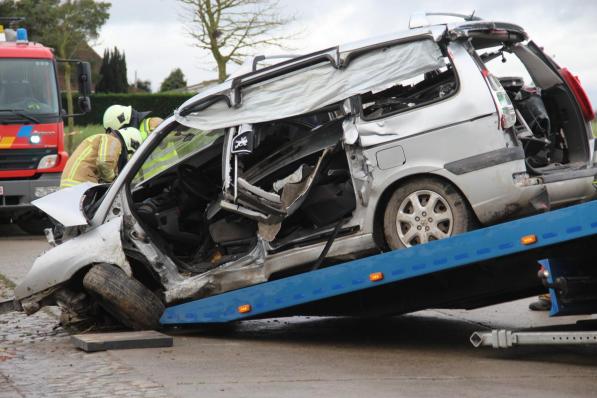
column 132, row 138
column 117, row 116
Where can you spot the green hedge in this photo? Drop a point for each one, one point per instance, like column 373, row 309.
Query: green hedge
column 161, row 105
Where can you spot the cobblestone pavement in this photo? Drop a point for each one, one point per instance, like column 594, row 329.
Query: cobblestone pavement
column 38, row 360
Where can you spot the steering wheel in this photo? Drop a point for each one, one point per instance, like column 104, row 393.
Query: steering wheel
column 30, row 104
column 191, row 183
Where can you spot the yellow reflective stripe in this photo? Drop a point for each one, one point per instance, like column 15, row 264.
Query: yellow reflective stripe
column 103, row 148
column 153, row 169
column 144, row 129
column 75, row 166
column 69, row 183
column 160, row 162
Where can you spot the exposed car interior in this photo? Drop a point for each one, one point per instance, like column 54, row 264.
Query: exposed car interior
column 297, row 173
column 420, row 90
column 548, row 125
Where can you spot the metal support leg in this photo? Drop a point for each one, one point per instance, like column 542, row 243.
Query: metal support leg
column 507, row 338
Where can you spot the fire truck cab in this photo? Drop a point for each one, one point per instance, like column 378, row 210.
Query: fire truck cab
column 32, row 153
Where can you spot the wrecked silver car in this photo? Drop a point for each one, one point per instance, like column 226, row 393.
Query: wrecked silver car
column 323, row 158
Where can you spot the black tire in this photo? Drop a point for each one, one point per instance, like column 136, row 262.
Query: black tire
column 124, row 298
column 33, row 223
column 443, row 201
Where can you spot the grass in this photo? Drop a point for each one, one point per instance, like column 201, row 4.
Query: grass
column 6, row 282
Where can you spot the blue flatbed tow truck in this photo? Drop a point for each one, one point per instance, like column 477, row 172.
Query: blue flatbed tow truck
column 496, row 264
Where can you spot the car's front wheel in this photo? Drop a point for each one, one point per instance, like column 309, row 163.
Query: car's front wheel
column 126, row 299
column 423, row 210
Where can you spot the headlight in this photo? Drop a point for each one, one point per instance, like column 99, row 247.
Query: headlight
column 35, row 139
column 47, row 162
column 43, row 191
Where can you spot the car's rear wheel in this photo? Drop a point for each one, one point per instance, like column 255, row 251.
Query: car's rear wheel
column 126, row 299
column 424, row 210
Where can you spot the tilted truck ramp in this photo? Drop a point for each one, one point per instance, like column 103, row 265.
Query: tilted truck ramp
column 483, row 267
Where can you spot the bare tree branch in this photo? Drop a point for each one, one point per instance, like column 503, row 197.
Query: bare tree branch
column 229, row 29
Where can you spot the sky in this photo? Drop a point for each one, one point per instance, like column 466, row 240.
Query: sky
column 154, row 33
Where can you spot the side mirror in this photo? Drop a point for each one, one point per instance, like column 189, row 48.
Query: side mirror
column 84, row 104
column 242, row 144
column 84, row 79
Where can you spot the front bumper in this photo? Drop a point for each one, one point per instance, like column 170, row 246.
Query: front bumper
column 17, row 195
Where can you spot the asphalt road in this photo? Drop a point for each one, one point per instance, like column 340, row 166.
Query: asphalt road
column 422, row 354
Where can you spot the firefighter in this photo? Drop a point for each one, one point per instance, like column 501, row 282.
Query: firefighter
column 100, row 157
column 163, row 156
column 149, row 124
column 543, row 303
column 119, row 116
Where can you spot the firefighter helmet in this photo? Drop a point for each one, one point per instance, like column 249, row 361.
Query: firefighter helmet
column 117, row 116
column 132, row 138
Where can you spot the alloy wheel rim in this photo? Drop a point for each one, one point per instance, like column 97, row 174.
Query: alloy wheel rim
column 424, row 216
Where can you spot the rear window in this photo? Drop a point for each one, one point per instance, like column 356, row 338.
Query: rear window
column 506, row 65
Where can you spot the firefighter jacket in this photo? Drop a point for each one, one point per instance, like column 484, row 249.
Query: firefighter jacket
column 96, row 159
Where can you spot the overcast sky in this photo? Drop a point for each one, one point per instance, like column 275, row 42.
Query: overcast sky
column 153, row 35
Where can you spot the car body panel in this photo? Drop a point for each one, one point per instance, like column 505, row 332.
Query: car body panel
column 56, row 266
column 66, row 205
column 458, row 138
column 317, row 86
column 429, row 153
column 467, row 104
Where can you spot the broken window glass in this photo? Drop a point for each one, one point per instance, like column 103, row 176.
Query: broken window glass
column 179, row 144
column 407, row 94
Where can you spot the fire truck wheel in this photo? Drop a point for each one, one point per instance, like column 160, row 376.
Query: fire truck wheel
column 126, row 299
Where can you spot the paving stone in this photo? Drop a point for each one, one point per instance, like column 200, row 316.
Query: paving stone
column 38, row 360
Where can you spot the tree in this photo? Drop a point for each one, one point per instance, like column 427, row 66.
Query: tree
column 62, row 24
column 113, row 74
column 142, row 86
column 174, row 80
column 230, row 28
column 35, row 13
column 105, row 74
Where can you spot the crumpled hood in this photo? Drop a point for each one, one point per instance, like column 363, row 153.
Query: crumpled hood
column 66, row 205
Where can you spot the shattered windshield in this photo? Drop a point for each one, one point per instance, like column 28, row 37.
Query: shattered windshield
column 180, row 143
column 28, row 86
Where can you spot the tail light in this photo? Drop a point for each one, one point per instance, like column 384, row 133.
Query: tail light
column 505, row 109
column 579, row 93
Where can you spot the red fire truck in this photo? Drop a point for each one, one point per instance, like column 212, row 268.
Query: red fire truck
column 32, row 153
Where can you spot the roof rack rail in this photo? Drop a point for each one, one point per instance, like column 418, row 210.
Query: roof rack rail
column 419, row 19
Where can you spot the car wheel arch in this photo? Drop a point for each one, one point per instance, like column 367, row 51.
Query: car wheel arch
column 388, row 190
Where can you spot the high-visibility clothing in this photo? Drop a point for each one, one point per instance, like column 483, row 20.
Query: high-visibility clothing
column 94, row 160
column 163, row 156
column 149, row 124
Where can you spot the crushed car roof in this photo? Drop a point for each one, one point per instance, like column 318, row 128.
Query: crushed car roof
column 434, row 32
column 310, row 82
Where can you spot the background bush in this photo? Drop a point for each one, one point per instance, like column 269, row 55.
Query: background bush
column 161, row 105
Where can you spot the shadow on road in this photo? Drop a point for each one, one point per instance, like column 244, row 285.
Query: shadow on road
column 10, row 231
column 412, row 332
